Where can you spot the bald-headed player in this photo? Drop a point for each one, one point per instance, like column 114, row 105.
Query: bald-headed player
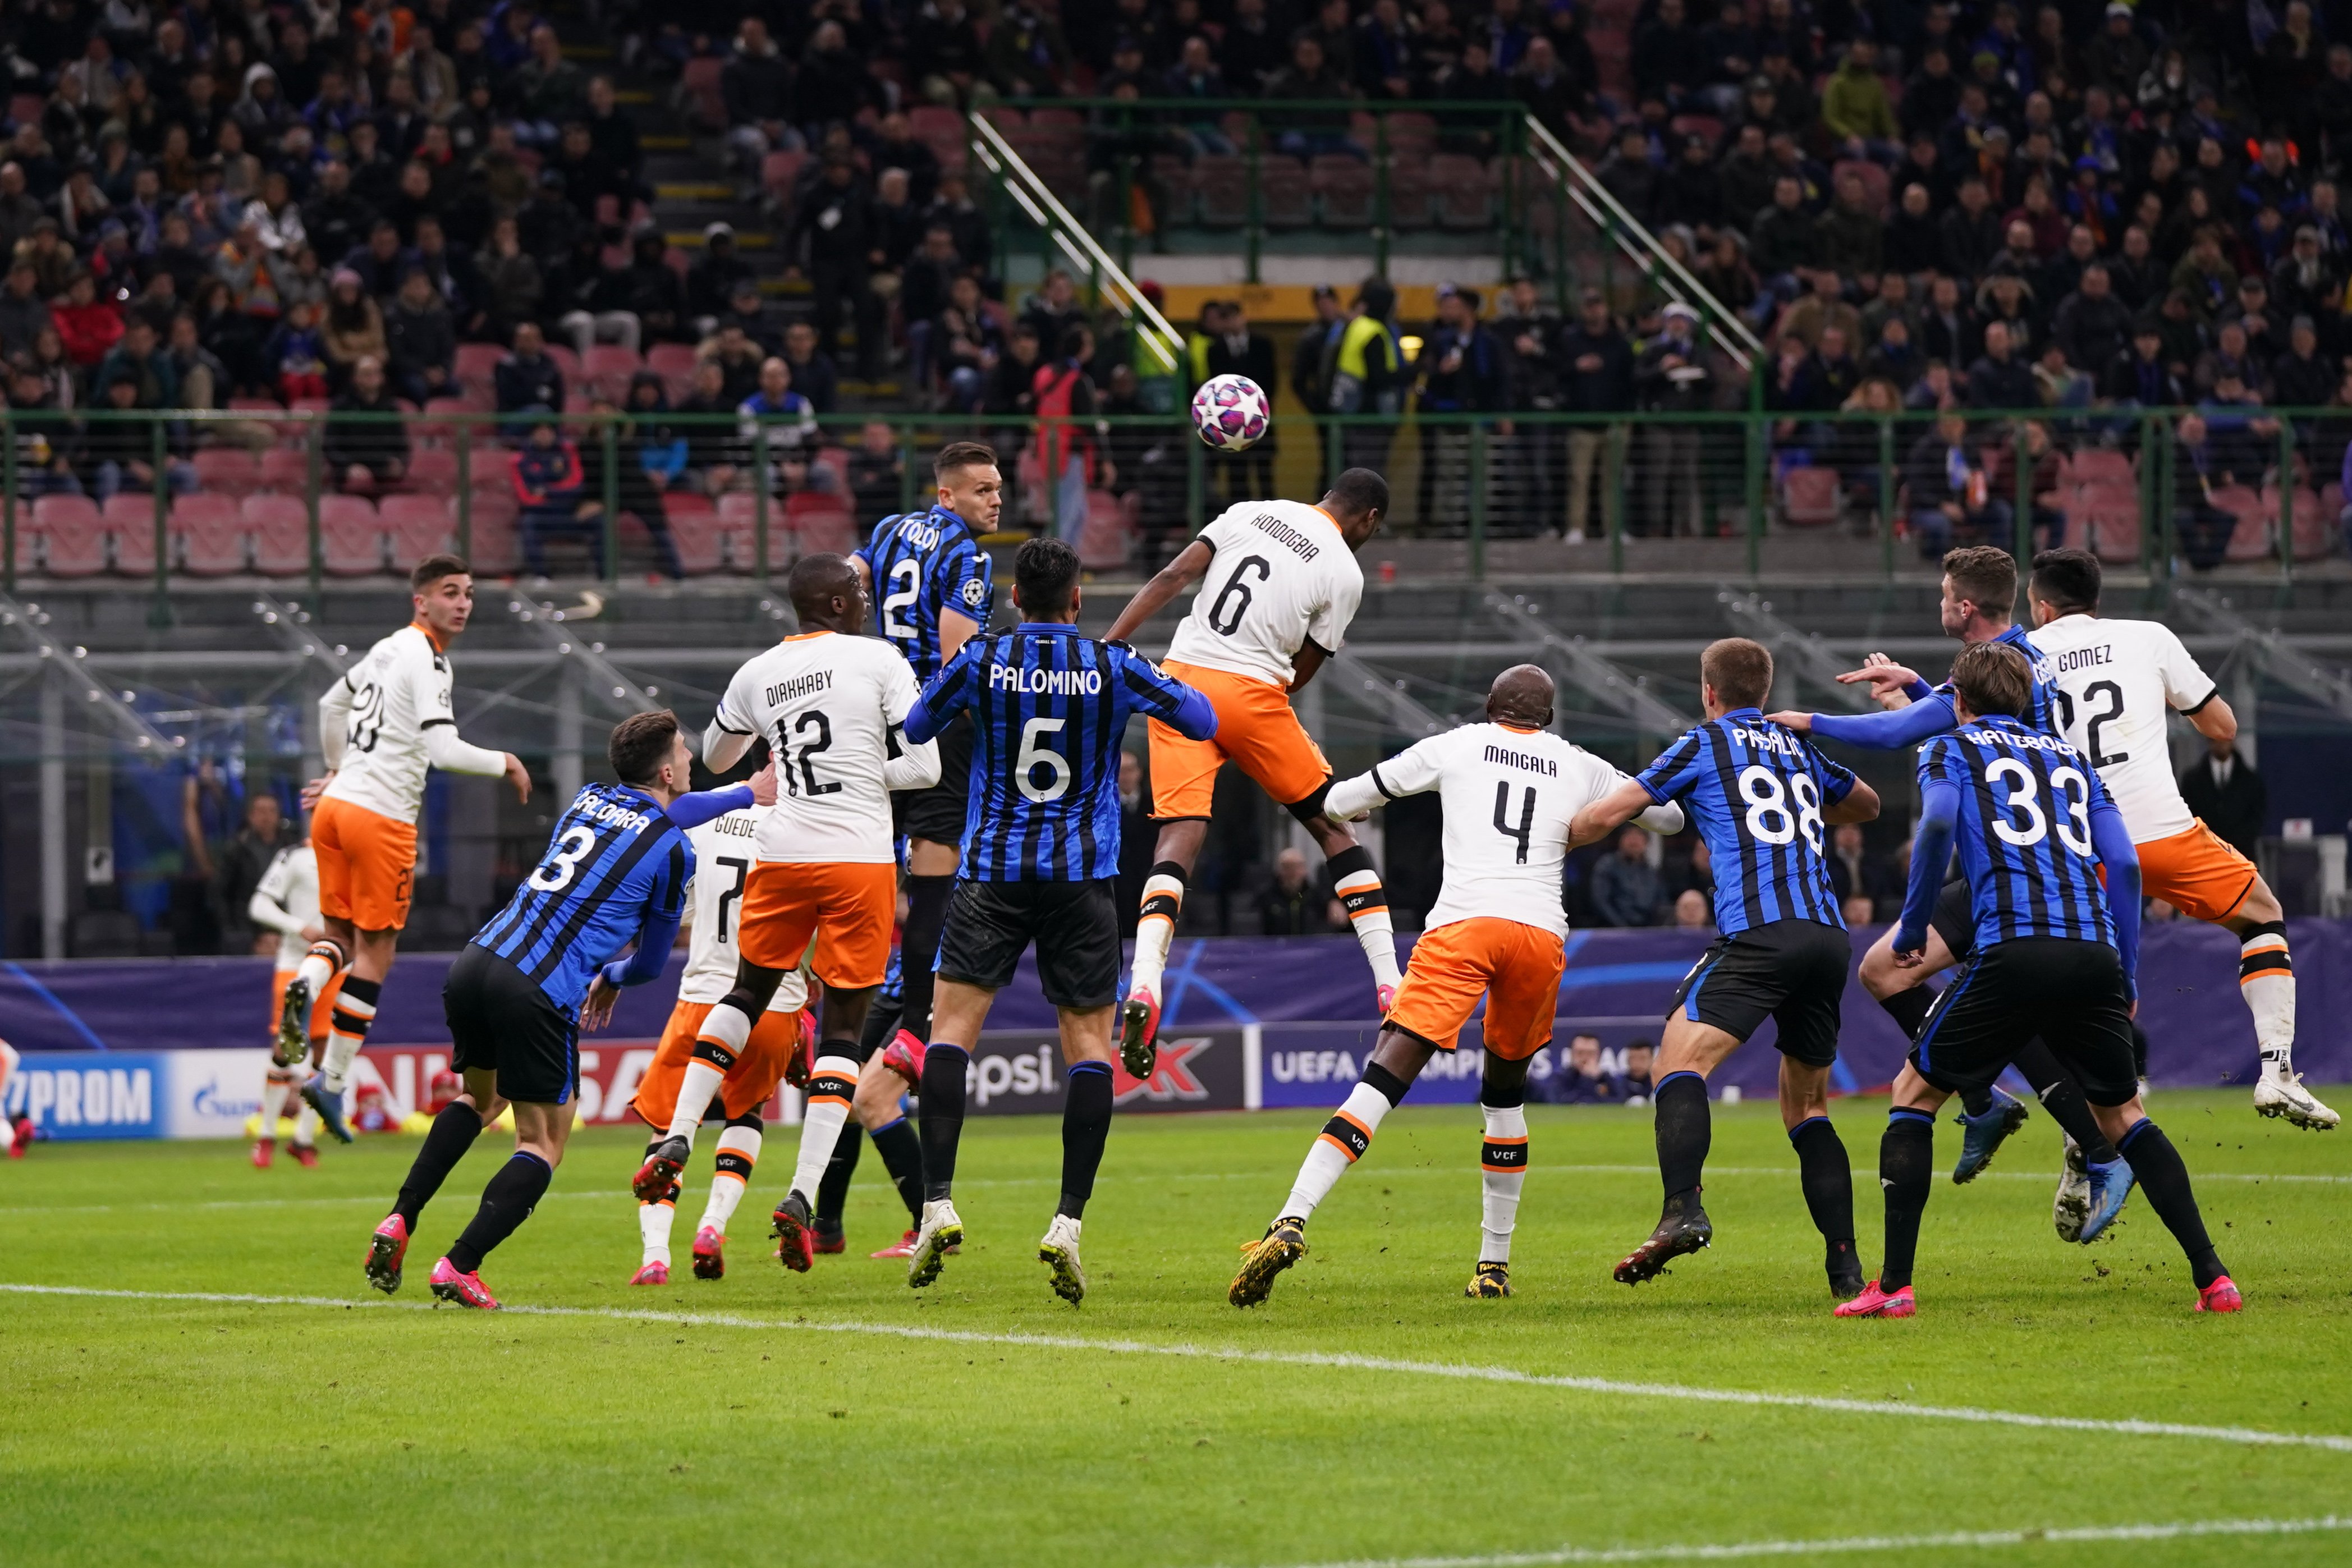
column 1279, row 584
column 1511, row 789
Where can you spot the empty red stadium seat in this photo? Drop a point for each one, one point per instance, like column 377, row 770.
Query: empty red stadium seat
column 2252, row 539
column 130, row 517
column 351, row 536
column 285, row 470
column 432, row 471
column 209, row 533
column 694, row 525
column 494, row 549
column 817, row 523
column 697, row 83
column 1107, row 539
column 419, row 526
column 778, row 171
column 73, row 534
column 281, row 534
column 567, row 360
column 229, row 470
column 478, row 362
column 1810, row 497
column 610, row 366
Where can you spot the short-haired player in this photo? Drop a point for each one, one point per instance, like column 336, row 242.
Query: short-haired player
column 1279, row 583
column 1509, row 788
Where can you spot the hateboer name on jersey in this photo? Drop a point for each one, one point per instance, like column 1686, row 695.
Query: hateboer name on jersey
column 2080, row 657
column 1049, row 682
column 1282, row 533
column 1771, row 738
column 1533, row 765
column 2012, row 738
column 807, row 684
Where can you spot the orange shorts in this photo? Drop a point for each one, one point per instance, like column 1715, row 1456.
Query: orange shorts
column 1516, row 967
column 366, row 864
column 749, row 1084
column 1256, row 728
column 2195, row 873
column 848, row 909
column 323, row 1006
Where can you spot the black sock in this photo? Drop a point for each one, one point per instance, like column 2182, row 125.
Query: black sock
column 944, row 1067
column 2062, row 1097
column 1683, row 1131
column 1908, row 1008
column 452, row 1133
column 1828, row 1178
column 918, row 948
column 902, row 1156
column 881, row 1024
column 1905, row 1155
column 1085, row 1126
column 1976, row 1101
column 2165, row 1178
column 507, row 1201
column 833, row 1187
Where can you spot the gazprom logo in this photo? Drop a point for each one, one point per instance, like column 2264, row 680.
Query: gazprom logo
column 73, row 1095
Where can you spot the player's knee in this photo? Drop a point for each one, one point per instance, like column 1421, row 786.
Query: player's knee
column 1503, row 1083
column 755, row 985
column 1391, row 1086
column 2259, row 908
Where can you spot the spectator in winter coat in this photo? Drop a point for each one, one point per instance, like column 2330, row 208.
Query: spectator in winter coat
column 422, row 343
column 367, row 453
column 87, row 325
column 527, row 378
column 546, row 478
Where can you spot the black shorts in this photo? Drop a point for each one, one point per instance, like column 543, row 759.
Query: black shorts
column 1073, row 924
column 937, row 814
column 1955, row 919
column 500, row 1021
column 2069, row 991
column 1793, row 971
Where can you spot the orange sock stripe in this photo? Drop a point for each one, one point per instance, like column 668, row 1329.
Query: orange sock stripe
column 1343, row 1149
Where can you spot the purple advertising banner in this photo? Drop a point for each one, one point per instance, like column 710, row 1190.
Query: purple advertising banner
column 1617, row 985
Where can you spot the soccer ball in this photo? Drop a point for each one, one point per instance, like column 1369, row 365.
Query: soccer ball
column 1230, row 413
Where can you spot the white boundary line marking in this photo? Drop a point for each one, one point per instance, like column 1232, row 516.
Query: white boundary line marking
column 2245, row 1435
column 1731, row 1551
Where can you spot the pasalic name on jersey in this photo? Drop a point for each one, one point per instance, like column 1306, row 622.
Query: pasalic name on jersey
column 1282, row 533
column 1533, row 765
column 1770, row 739
column 800, row 685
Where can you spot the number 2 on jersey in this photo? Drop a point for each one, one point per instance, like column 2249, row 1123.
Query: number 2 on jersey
column 911, row 573
column 804, row 782
column 2113, row 695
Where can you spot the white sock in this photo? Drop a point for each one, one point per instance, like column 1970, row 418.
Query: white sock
column 1155, row 930
column 343, row 1045
column 318, row 967
column 832, row 1083
column 1340, row 1144
column 306, row 1125
column 739, row 1151
column 274, row 1090
column 725, row 1028
column 1367, row 904
column 653, row 1225
column 2266, row 980
column 1502, row 1172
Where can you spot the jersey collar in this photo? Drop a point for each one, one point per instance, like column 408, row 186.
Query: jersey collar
column 938, row 511
column 1755, row 713
column 429, row 637
column 803, row 636
column 1048, row 628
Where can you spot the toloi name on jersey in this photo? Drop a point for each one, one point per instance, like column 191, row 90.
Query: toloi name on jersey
column 608, row 812
column 1770, row 739
column 1534, row 764
column 1048, row 682
column 1282, row 533
column 2010, row 738
column 2080, row 658
column 800, row 685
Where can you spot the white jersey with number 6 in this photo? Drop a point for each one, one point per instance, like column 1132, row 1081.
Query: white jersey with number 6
column 1509, row 794
column 830, row 708
column 1282, row 575
column 725, row 849
column 2116, row 680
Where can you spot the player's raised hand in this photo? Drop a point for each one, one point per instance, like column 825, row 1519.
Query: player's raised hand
column 518, row 776
column 763, row 785
column 1886, row 678
column 596, row 1009
column 314, row 789
column 1802, row 723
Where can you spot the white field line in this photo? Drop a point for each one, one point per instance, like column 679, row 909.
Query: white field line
column 2243, row 1435
column 1977, row 1540
column 9, row 1211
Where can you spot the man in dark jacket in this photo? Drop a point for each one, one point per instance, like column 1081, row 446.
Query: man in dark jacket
column 422, row 341
column 1783, row 240
column 652, row 292
column 2139, row 375
column 831, row 229
column 1999, row 379
column 1596, row 377
column 1236, row 350
column 527, row 378
column 1670, row 378
column 1948, row 497
column 2091, row 326
column 1461, row 370
column 335, row 221
column 756, row 87
column 364, row 454
column 2223, row 789
column 1973, row 232
column 711, row 280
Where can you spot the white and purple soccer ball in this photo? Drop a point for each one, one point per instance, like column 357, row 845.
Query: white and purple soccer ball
column 1230, row 413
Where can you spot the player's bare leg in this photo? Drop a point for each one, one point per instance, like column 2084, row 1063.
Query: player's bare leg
column 832, row 1085
column 1502, row 1171
column 1687, row 1052
column 1396, row 1060
column 1824, row 1169
column 372, row 953
column 2266, row 981
column 452, row 1133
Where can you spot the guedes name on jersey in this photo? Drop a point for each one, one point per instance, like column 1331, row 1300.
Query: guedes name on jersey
column 2014, row 738
column 1051, row 682
column 735, row 826
column 1770, row 739
column 1281, row 532
column 800, row 685
column 1534, row 764
column 2081, row 657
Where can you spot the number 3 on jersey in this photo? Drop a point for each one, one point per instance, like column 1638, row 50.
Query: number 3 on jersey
column 562, row 863
column 1770, row 821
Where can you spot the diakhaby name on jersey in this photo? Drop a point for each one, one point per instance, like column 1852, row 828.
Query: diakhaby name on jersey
column 1047, row 683
column 807, row 684
column 1282, row 533
column 2019, row 738
column 1527, row 759
column 608, row 811
column 1770, row 739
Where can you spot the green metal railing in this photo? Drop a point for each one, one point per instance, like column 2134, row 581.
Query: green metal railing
column 1478, row 474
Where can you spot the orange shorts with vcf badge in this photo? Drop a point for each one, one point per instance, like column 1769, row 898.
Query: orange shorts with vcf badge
column 1516, row 967
column 845, row 908
column 2195, row 873
column 366, row 863
column 1256, row 728
column 749, row 1084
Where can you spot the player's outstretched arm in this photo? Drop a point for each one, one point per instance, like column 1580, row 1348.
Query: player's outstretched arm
column 1931, row 851
column 2214, row 718
column 1885, row 732
column 1171, row 580
column 693, row 809
column 451, row 752
column 1611, row 812
column 1892, row 685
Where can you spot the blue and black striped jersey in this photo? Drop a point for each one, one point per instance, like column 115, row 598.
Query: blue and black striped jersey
column 2024, row 828
column 1931, row 711
column 923, row 562
column 615, row 865
column 1755, row 792
column 1049, row 709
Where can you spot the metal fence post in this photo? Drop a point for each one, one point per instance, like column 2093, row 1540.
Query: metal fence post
column 1887, row 498
column 609, row 444
column 466, row 491
column 1381, row 204
column 159, row 461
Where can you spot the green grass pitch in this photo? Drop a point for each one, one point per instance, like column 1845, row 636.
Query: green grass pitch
column 925, row 1429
